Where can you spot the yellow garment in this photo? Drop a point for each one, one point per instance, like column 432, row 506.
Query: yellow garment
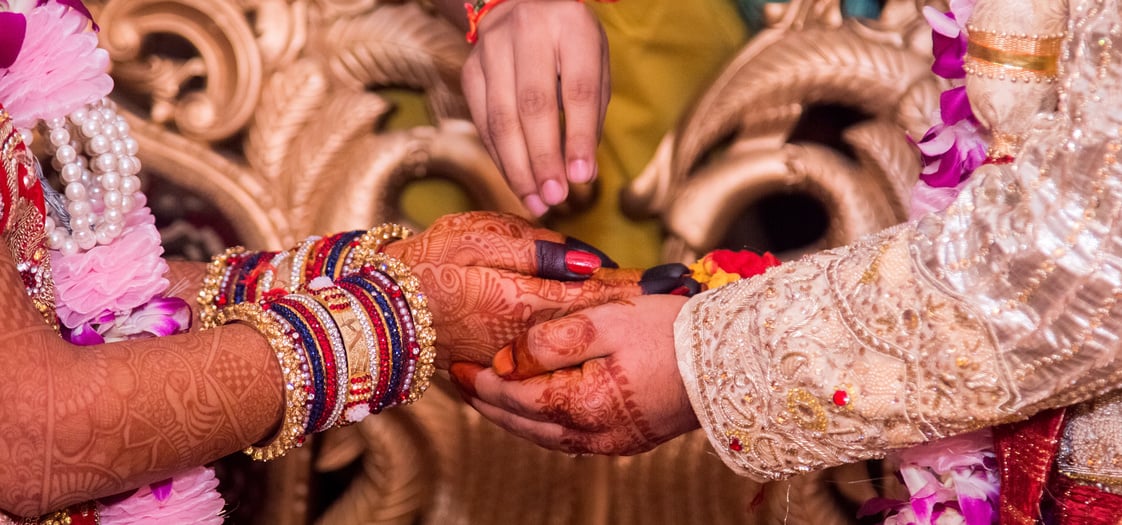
column 663, row 55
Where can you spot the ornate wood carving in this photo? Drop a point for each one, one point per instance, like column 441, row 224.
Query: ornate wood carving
column 746, row 137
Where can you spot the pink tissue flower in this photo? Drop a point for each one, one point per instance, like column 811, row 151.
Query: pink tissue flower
column 50, row 64
column 190, row 497
column 90, row 283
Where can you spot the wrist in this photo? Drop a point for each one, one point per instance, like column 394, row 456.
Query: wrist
column 493, row 11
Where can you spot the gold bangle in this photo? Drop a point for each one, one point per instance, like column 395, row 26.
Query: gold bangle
column 422, row 320
column 212, row 286
column 358, row 339
column 371, row 242
column 291, row 434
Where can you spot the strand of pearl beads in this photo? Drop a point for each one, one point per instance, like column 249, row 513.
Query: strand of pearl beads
column 96, row 159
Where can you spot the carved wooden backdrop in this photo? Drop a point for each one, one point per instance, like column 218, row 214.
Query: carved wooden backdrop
column 262, row 121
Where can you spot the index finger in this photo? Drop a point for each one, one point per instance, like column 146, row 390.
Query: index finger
column 550, row 346
column 583, row 92
column 558, row 397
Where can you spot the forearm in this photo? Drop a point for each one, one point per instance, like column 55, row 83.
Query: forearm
column 1004, row 305
column 86, row 422
column 837, row 358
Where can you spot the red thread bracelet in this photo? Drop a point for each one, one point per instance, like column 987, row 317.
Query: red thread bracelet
column 477, row 9
column 475, row 13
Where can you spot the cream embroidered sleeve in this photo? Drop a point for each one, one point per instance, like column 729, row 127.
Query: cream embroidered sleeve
column 1001, row 306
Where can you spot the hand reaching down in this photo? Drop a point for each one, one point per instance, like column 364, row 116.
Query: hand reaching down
column 536, row 60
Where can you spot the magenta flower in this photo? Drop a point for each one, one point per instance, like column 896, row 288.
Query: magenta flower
column 84, row 334
column 951, row 481
column 161, row 316
column 952, row 150
column 948, row 37
column 13, row 24
column 13, row 29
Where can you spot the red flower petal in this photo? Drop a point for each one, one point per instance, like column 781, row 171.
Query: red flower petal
column 743, row 262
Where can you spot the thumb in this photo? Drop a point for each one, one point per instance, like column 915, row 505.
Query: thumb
column 549, row 346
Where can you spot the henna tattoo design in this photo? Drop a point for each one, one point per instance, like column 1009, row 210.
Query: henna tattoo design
column 78, row 423
column 566, row 337
column 596, row 409
column 477, row 311
column 503, row 224
column 595, row 404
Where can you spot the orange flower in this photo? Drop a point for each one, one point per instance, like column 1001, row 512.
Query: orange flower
column 721, row 267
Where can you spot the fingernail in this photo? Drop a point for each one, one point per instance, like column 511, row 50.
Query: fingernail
column 535, row 205
column 503, row 362
column 582, row 263
column 579, row 172
column 553, row 192
column 605, row 261
column 463, row 375
column 686, row 290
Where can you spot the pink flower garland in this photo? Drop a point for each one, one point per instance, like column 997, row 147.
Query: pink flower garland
column 53, row 63
column 955, row 147
column 952, row 480
column 50, row 66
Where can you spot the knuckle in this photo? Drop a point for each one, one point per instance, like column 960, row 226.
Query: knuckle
column 502, row 123
column 577, row 10
column 545, row 160
column 577, row 139
column 533, row 101
column 525, row 16
column 582, row 91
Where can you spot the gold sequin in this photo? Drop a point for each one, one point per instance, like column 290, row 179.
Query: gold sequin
column 806, row 410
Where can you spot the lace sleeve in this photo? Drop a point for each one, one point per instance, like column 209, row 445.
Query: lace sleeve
column 1001, row 306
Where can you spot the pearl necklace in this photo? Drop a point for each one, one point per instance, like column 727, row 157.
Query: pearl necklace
column 96, row 159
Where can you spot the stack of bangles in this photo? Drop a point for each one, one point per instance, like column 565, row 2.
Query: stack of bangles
column 348, row 324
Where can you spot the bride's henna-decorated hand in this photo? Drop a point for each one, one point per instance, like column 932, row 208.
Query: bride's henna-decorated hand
column 501, row 241
column 489, row 277
column 602, row 381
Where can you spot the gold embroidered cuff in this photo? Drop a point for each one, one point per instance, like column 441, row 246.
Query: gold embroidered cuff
column 1012, row 57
